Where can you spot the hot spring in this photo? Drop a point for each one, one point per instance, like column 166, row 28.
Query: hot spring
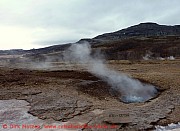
column 124, row 87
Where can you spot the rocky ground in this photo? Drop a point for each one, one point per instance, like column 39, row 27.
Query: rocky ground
column 71, row 94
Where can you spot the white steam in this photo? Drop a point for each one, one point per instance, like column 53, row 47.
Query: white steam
column 147, row 57
column 171, row 58
column 128, row 89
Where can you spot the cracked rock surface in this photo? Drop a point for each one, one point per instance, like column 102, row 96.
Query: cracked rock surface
column 78, row 97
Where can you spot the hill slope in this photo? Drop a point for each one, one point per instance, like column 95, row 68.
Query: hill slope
column 141, row 30
column 131, row 43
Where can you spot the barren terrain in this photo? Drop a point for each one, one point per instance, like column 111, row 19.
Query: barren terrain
column 70, row 93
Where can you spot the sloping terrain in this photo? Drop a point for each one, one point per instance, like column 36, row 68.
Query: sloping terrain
column 141, row 30
column 137, row 47
column 131, row 43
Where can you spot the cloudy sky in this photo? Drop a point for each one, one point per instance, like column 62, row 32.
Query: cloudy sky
column 31, row 24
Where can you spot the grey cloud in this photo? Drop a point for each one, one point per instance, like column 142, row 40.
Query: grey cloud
column 86, row 18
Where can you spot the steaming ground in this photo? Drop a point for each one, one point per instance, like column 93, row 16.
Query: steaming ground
column 127, row 88
column 69, row 93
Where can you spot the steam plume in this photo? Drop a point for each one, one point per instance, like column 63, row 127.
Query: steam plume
column 129, row 89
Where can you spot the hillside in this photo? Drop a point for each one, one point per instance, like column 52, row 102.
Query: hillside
column 131, row 43
column 137, row 47
column 141, row 30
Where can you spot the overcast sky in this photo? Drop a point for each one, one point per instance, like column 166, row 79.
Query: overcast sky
column 30, row 24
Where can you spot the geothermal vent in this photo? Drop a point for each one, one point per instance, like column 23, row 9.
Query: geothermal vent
column 126, row 88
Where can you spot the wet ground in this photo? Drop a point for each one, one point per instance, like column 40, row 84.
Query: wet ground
column 75, row 96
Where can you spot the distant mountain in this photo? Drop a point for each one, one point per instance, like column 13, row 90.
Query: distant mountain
column 141, row 30
column 139, row 40
column 148, row 29
column 131, row 43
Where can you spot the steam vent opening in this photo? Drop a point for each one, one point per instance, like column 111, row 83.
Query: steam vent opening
column 140, row 98
column 137, row 95
column 101, row 89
